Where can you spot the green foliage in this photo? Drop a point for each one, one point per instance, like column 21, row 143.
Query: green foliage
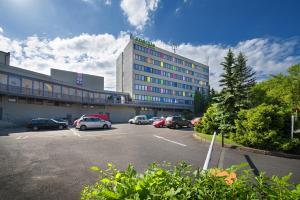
column 263, row 127
column 200, row 103
column 180, row 182
column 282, row 90
column 210, row 121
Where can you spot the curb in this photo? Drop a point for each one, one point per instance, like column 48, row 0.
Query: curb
column 252, row 150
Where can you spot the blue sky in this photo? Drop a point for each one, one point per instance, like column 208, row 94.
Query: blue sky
column 267, row 31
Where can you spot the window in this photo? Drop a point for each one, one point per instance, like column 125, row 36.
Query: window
column 26, row 86
column 57, row 91
column 38, row 88
column 79, row 93
column 72, row 92
column 14, row 83
column 65, row 91
column 3, row 79
column 48, row 89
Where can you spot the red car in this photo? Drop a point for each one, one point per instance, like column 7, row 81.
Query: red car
column 100, row 116
column 159, row 124
column 195, row 120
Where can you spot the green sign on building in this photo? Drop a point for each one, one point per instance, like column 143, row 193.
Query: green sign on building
column 142, row 42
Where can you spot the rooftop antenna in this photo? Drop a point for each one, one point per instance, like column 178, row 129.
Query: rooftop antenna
column 174, row 47
column 207, row 60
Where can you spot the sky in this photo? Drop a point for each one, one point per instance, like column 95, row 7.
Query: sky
column 87, row 35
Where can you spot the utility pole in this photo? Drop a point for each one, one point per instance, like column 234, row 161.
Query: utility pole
column 174, row 47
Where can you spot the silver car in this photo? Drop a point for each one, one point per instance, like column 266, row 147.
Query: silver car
column 92, row 122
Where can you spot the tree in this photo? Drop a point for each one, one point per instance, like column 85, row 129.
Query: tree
column 198, row 103
column 226, row 99
column 294, row 76
column 244, row 81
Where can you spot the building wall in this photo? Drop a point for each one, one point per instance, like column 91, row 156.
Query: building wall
column 124, row 70
column 20, row 113
column 88, row 81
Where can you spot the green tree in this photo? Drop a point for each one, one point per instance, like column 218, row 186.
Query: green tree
column 282, row 90
column 294, row 76
column 244, row 81
column 201, row 103
column 226, row 100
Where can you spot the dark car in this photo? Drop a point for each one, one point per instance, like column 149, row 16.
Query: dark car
column 177, row 122
column 44, row 123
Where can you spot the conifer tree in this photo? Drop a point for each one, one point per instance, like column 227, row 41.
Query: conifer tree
column 244, row 80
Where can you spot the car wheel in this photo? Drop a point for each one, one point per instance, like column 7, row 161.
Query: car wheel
column 160, row 126
column 35, row 128
column 83, row 127
column 190, row 125
column 176, row 126
column 60, row 127
column 139, row 123
column 105, row 126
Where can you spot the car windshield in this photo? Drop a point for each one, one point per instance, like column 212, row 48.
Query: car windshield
column 53, row 120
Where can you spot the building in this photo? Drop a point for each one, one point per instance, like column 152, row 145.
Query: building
column 154, row 76
column 150, row 81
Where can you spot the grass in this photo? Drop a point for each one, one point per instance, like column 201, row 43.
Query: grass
column 218, row 139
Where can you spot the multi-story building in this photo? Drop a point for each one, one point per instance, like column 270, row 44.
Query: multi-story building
column 155, row 76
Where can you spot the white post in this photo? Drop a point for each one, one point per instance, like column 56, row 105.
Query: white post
column 208, row 156
column 292, row 127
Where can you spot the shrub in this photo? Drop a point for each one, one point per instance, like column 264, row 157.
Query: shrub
column 179, row 182
column 209, row 121
column 263, row 127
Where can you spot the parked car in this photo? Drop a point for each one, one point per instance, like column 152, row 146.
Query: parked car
column 100, row 116
column 195, row 121
column 44, row 123
column 141, row 119
column 133, row 120
column 61, row 120
column 159, row 124
column 177, row 122
column 153, row 119
column 91, row 123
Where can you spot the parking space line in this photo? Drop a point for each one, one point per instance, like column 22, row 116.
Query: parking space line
column 178, row 143
column 22, row 137
column 75, row 133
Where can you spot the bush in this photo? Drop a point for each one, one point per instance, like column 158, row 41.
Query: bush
column 264, row 127
column 209, row 121
column 178, row 182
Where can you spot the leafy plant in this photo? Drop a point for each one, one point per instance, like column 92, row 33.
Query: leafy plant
column 180, row 182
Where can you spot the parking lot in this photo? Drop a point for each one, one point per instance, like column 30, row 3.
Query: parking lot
column 55, row 164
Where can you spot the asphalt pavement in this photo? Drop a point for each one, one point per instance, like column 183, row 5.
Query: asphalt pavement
column 55, row 164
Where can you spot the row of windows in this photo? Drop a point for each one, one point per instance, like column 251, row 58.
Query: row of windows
column 40, row 88
column 169, row 58
column 149, row 88
column 166, row 82
column 169, row 66
column 150, row 98
column 168, row 74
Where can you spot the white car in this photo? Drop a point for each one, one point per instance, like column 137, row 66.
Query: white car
column 140, row 120
column 92, row 122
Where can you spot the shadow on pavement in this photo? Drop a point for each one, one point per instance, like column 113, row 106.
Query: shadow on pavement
column 252, row 166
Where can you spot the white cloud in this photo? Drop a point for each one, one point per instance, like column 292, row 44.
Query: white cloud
column 97, row 54
column 138, row 11
column 1, row 30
